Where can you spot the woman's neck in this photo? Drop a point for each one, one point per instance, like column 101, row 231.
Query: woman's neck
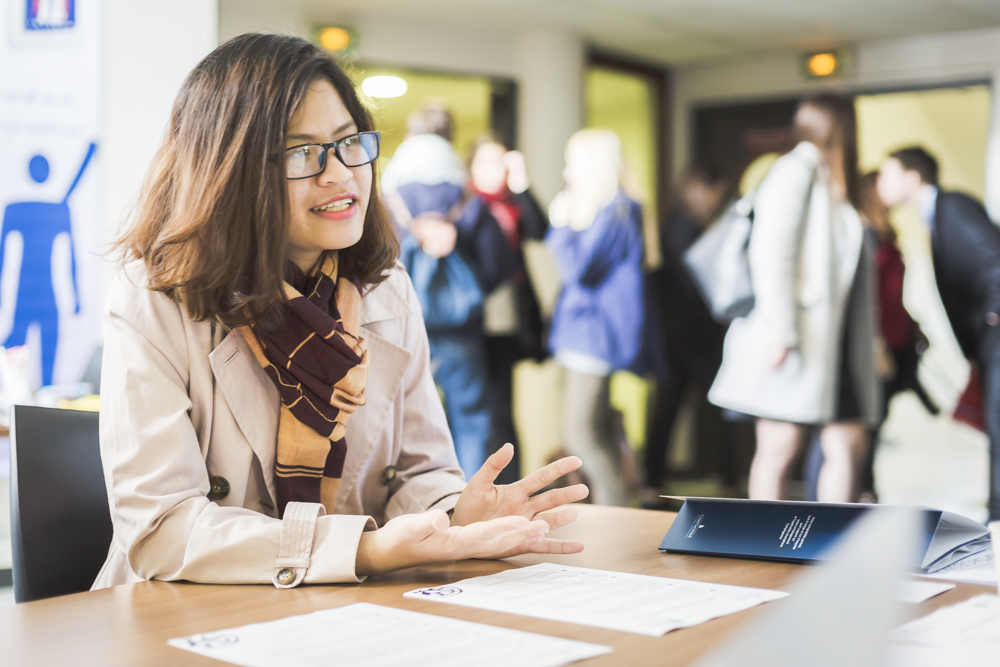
column 305, row 260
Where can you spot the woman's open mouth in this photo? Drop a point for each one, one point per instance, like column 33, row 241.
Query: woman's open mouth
column 337, row 209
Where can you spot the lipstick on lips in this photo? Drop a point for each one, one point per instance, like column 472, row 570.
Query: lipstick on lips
column 340, row 207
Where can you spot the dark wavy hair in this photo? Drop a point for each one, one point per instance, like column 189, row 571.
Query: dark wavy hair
column 212, row 220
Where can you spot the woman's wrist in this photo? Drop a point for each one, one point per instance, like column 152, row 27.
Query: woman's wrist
column 370, row 560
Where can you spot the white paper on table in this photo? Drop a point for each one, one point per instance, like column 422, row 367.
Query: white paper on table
column 970, row 625
column 377, row 636
column 911, row 655
column 916, row 592
column 978, row 569
column 616, row 600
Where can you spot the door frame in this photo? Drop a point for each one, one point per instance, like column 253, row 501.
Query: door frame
column 659, row 77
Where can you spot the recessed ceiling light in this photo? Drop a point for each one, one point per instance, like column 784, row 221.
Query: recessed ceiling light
column 383, row 86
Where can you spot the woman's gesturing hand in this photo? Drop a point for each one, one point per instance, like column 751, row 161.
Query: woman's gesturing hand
column 422, row 539
column 483, row 500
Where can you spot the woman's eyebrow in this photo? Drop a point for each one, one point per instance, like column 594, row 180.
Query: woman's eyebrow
column 311, row 137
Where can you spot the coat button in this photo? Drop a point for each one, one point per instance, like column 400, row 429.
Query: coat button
column 286, row 576
column 388, row 475
column 219, row 488
column 992, row 319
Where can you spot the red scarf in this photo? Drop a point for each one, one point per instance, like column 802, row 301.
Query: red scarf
column 507, row 214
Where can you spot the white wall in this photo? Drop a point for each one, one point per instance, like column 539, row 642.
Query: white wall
column 149, row 47
column 550, row 69
column 927, row 60
column 548, row 65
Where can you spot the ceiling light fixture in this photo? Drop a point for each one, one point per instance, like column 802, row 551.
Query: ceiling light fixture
column 334, row 39
column 383, row 86
column 825, row 63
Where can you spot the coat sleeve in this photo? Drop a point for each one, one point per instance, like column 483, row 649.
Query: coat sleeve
column 427, row 463
column 980, row 239
column 480, row 235
column 780, row 210
column 155, row 472
column 588, row 256
column 534, row 221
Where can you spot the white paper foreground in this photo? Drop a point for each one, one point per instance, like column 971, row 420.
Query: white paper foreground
column 377, row 636
column 616, row 600
column 970, row 625
column 916, row 592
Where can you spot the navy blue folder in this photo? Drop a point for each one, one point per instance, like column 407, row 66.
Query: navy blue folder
column 796, row 531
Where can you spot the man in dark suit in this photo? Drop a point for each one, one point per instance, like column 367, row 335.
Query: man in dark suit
column 966, row 250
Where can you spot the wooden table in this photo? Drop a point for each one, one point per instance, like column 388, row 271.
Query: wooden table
column 130, row 625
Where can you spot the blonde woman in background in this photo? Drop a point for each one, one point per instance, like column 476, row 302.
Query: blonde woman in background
column 597, row 241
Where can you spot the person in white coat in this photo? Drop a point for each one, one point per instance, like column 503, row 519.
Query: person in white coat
column 804, row 357
column 268, row 413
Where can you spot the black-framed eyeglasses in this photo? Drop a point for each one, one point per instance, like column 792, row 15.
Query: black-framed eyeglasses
column 308, row 160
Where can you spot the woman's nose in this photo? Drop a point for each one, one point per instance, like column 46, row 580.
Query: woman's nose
column 335, row 171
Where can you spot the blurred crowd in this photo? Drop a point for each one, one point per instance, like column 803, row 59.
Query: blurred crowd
column 776, row 315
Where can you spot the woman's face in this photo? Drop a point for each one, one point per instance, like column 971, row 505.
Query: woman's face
column 488, row 169
column 327, row 210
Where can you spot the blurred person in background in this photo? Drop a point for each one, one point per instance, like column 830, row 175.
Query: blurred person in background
column 456, row 254
column 900, row 343
column 512, row 317
column 596, row 239
column 688, row 340
column 805, row 355
column 965, row 245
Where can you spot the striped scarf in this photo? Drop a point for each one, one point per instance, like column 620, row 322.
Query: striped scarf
column 320, row 366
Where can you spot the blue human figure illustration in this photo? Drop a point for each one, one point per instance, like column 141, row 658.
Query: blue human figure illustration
column 39, row 223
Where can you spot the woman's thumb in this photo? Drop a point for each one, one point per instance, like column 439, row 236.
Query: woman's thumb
column 436, row 520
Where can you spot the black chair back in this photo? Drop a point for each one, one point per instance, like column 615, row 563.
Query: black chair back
column 59, row 516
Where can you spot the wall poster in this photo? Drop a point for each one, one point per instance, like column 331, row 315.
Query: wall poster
column 51, row 233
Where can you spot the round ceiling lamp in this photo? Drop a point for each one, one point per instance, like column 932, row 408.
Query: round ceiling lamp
column 334, row 39
column 822, row 64
column 383, row 86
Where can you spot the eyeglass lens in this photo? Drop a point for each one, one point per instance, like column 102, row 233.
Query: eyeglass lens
column 353, row 151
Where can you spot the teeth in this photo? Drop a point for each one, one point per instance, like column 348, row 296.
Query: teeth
column 339, row 205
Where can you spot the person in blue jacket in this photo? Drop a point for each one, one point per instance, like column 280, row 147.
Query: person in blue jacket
column 456, row 254
column 596, row 239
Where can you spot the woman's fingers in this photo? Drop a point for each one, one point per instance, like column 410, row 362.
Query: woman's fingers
column 493, row 466
column 548, row 546
column 507, row 541
column 559, row 518
column 545, row 546
column 558, row 497
column 539, row 479
column 485, row 531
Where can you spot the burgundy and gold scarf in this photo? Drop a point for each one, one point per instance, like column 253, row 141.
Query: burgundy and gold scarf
column 320, row 366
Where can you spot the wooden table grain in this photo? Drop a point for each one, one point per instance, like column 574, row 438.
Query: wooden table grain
column 130, row 625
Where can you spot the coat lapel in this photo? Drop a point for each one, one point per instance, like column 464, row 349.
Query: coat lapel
column 388, row 367
column 252, row 398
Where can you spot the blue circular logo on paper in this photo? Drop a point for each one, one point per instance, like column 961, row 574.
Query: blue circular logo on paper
column 39, row 169
column 212, row 641
column 440, row 591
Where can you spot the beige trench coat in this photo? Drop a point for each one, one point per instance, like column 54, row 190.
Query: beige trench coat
column 183, row 402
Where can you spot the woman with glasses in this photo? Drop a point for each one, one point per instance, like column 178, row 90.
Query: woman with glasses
column 268, row 412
